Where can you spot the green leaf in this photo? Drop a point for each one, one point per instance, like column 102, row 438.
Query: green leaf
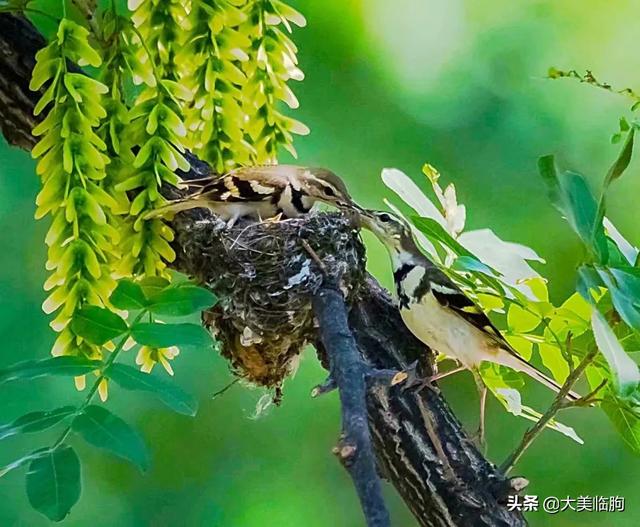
column 622, row 161
column 98, row 325
column 466, row 261
column 35, row 421
column 624, row 371
column 165, row 335
column 471, row 264
column 33, row 369
column 572, row 316
column 152, row 285
column 626, row 419
column 628, row 281
column 520, row 320
column 512, row 401
column 584, row 214
column 625, row 293
column 627, row 250
column 181, row 301
column 435, row 231
column 496, row 376
column 53, row 482
column 102, row 429
column 132, row 379
column 549, row 174
column 128, row 295
column 554, row 361
column 490, row 302
column 571, row 195
column 588, row 282
column 522, row 345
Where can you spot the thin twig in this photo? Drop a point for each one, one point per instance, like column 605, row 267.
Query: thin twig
column 222, row 391
column 590, row 398
column 558, row 404
column 567, row 351
column 589, row 78
column 314, row 255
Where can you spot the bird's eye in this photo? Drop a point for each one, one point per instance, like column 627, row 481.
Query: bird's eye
column 384, row 218
column 329, row 191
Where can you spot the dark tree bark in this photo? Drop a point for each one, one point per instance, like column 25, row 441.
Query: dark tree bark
column 349, row 372
column 466, row 490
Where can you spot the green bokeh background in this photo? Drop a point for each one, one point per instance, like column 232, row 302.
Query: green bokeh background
column 456, row 83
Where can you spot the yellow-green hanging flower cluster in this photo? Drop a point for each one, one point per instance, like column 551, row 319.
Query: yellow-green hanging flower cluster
column 237, row 61
column 72, row 167
column 154, row 134
column 164, row 25
column 156, row 126
column 272, row 63
column 120, row 65
column 216, row 48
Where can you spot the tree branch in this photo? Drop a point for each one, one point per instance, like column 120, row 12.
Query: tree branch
column 354, row 449
column 560, row 402
column 226, row 261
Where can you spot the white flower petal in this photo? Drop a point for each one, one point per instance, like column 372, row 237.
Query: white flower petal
column 629, row 251
column 509, row 259
column 422, row 240
column 411, row 194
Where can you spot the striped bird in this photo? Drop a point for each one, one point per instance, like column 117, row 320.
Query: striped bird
column 263, row 192
column 438, row 312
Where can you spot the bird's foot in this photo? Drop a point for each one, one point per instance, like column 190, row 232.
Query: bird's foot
column 412, row 379
column 327, row 386
column 273, row 219
column 383, row 377
column 232, row 221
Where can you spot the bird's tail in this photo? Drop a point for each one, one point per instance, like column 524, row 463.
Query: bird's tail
column 177, row 205
column 519, row 364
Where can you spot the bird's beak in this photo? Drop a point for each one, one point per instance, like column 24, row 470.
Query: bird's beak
column 346, row 204
column 365, row 219
column 352, row 205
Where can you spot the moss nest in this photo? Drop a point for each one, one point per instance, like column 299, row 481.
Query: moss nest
column 265, row 277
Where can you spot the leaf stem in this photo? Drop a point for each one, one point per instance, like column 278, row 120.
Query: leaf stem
column 589, row 78
column 96, row 384
column 154, row 67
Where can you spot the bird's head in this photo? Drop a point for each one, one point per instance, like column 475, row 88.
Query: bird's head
column 392, row 231
column 323, row 185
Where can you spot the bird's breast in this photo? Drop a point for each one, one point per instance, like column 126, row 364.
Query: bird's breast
column 444, row 331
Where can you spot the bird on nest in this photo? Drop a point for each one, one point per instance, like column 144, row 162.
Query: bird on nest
column 260, row 192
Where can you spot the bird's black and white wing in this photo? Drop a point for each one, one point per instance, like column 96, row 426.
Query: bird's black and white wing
column 231, row 188
column 449, row 295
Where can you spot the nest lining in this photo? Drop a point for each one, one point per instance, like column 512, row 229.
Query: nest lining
column 264, row 278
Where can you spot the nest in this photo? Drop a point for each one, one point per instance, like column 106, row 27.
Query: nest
column 265, row 277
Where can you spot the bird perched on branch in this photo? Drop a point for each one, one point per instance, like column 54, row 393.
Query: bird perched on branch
column 263, row 192
column 438, row 312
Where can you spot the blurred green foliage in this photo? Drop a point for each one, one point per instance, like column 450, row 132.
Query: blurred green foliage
column 457, row 83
